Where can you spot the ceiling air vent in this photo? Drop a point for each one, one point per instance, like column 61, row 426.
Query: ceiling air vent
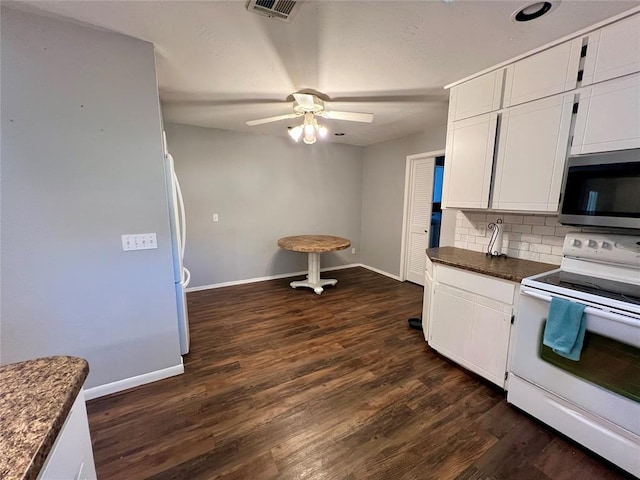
column 281, row 9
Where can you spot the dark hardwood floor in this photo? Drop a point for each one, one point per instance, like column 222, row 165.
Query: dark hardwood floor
column 286, row 384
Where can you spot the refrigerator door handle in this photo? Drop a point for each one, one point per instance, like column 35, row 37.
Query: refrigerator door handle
column 183, row 222
column 186, row 276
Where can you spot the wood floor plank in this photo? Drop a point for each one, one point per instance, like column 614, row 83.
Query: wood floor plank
column 564, row 461
column 286, row 384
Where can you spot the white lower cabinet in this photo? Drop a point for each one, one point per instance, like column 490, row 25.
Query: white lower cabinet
column 427, row 299
column 470, row 320
column 71, row 457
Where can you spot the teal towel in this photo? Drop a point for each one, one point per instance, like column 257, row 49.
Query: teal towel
column 565, row 328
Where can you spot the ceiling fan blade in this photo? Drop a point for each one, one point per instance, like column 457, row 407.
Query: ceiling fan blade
column 253, row 123
column 349, row 116
column 305, row 101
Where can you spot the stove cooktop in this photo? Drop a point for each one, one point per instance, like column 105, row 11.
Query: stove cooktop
column 619, row 291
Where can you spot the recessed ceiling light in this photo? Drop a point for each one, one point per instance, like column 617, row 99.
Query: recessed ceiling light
column 339, row 134
column 534, row 10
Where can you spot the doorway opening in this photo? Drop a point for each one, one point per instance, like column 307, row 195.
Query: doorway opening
column 436, row 209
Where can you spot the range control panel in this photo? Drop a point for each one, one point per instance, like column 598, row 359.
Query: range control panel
column 607, row 248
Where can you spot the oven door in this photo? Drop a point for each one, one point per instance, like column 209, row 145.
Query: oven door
column 605, row 381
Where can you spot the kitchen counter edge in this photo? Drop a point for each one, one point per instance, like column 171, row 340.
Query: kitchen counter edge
column 506, row 268
column 37, row 396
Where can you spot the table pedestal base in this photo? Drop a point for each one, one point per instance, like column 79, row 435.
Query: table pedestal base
column 313, row 278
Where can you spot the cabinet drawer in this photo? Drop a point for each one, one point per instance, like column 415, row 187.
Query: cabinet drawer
column 496, row 289
column 613, row 51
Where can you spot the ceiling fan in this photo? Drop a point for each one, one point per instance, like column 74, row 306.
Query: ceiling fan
column 310, row 106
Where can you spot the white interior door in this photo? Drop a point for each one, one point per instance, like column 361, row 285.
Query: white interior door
column 419, row 216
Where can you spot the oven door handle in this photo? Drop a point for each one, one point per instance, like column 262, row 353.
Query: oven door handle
column 616, row 317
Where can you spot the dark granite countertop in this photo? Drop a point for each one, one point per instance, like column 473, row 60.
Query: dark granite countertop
column 513, row 269
column 35, row 398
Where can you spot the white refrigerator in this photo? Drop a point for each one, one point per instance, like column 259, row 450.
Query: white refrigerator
column 181, row 275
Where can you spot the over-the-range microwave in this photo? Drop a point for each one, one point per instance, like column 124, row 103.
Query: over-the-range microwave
column 602, row 190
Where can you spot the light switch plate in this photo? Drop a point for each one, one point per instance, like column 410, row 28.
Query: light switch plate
column 139, row 241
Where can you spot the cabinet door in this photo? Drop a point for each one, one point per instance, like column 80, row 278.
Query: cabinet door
column 544, row 74
column 471, row 330
column 71, row 456
column 608, row 116
column 451, row 321
column 488, row 343
column 532, row 148
column 613, row 51
column 475, row 97
column 469, row 153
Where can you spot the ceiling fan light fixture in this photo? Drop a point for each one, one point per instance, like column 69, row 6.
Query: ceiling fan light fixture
column 309, row 138
column 309, row 129
column 310, row 107
column 296, row 132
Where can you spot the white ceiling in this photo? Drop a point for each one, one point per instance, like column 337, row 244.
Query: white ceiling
column 220, row 65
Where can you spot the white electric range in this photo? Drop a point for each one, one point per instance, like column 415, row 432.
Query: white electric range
column 596, row 400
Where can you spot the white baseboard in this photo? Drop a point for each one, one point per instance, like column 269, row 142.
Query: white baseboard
column 264, row 279
column 120, row 385
column 381, row 272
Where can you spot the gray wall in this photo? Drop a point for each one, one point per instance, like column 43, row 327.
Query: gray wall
column 81, row 165
column 383, row 197
column 262, row 188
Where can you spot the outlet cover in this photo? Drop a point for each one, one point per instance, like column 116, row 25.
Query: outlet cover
column 139, row 241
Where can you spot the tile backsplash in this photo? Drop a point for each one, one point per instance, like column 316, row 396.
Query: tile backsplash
column 531, row 237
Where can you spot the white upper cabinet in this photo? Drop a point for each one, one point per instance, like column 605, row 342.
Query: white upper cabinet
column 608, row 116
column 475, row 97
column 613, row 51
column 522, row 113
column 544, row 74
column 532, row 148
column 469, row 154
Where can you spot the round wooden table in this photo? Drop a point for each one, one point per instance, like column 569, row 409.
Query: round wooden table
column 314, row 245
